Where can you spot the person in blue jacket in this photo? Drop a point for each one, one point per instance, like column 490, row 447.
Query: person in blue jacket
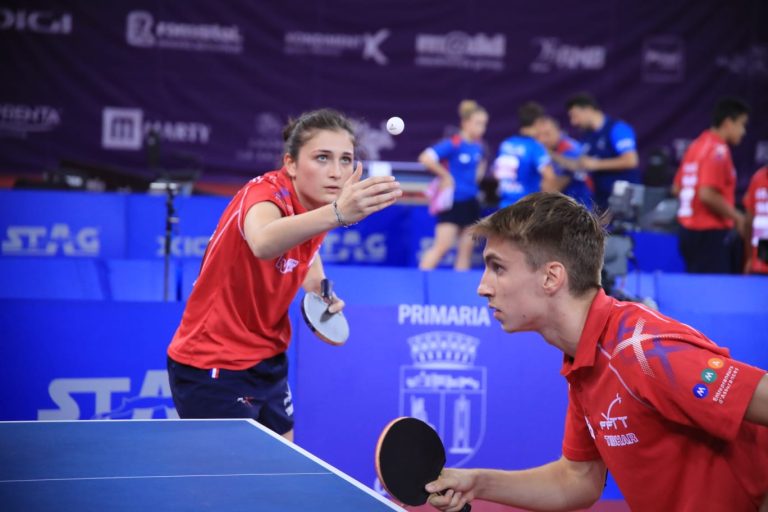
column 609, row 148
column 576, row 184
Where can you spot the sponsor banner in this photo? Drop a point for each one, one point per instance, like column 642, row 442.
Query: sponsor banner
column 215, row 87
column 192, row 222
column 62, row 224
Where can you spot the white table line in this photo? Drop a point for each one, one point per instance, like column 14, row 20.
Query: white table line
column 157, row 476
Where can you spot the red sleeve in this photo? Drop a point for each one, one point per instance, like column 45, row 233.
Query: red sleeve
column 689, row 384
column 578, row 441
column 713, row 171
column 262, row 189
column 749, row 196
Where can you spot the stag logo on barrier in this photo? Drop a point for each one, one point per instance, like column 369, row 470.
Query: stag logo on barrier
column 663, row 59
column 126, row 129
column 39, row 22
column 554, row 55
column 19, row 120
column 462, row 51
column 444, row 388
column 336, row 44
column 60, row 238
column 351, row 245
column 142, row 31
column 94, row 398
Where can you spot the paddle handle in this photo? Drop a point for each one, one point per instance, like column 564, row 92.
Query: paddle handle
column 326, row 288
column 467, row 508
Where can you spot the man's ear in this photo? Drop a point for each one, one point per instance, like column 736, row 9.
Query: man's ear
column 290, row 165
column 554, row 277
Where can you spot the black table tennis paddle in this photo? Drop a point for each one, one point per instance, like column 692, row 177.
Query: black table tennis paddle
column 409, row 455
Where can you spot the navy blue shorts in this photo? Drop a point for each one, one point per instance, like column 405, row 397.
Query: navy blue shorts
column 260, row 393
column 463, row 213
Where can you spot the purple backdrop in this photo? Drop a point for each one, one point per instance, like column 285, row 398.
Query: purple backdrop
column 87, row 80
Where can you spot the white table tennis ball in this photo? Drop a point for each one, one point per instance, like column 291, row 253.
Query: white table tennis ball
column 395, row 125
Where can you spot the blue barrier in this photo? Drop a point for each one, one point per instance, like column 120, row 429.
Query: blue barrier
column 82, row 359
column 133, row 226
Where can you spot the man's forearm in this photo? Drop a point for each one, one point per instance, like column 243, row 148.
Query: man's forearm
column 560, row 485
column 619, row 163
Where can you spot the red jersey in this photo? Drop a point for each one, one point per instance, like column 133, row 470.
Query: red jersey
column 237, row 313
column 756, row 203
column 663, row 407
column 707, row 163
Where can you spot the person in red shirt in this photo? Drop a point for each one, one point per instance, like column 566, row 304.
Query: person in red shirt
column 680, row 424
column 756, row 204
column 705, row 184
column 227, row 358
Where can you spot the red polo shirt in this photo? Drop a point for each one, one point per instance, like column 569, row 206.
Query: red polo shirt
column 756, row 203
column 707, row 163
column 237, row 314
column 663, row 407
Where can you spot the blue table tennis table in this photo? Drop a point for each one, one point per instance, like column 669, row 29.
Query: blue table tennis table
column 168, row 465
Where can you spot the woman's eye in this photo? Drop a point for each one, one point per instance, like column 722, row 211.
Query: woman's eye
column 322, row 158
column 345, row 160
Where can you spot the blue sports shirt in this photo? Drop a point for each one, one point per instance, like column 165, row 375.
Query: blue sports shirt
column 612, row 139
column 518, row 168
column 461, row 157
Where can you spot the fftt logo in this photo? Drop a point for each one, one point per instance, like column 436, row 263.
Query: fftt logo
column 41, row 241
column 609, row 422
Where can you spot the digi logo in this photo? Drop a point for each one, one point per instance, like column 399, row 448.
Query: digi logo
column 700, row 391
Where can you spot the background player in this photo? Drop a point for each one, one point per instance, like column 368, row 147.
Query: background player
column 460, row 163
column 522, row 161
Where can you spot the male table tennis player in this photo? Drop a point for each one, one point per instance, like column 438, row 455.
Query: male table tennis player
column 678, row 422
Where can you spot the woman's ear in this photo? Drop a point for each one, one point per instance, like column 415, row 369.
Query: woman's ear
column 290, row 165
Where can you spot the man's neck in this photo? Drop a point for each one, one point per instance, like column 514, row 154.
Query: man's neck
column 566, row 322
column 598, row 120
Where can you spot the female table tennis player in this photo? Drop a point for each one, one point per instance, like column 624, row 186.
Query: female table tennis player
column 227, row 358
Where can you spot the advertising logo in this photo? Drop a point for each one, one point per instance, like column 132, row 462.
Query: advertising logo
column 663, row 59
column 18, row 120
column 462, row 51
column 126, row 129
column 60, row 238
column 142, row 31
column 752, row 61
column 337, row 44
column 95, row 398
column 555, row 56
column 39, row 22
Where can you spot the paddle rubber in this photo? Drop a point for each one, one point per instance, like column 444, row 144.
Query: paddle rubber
column 409, row 455
column 330, row 327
